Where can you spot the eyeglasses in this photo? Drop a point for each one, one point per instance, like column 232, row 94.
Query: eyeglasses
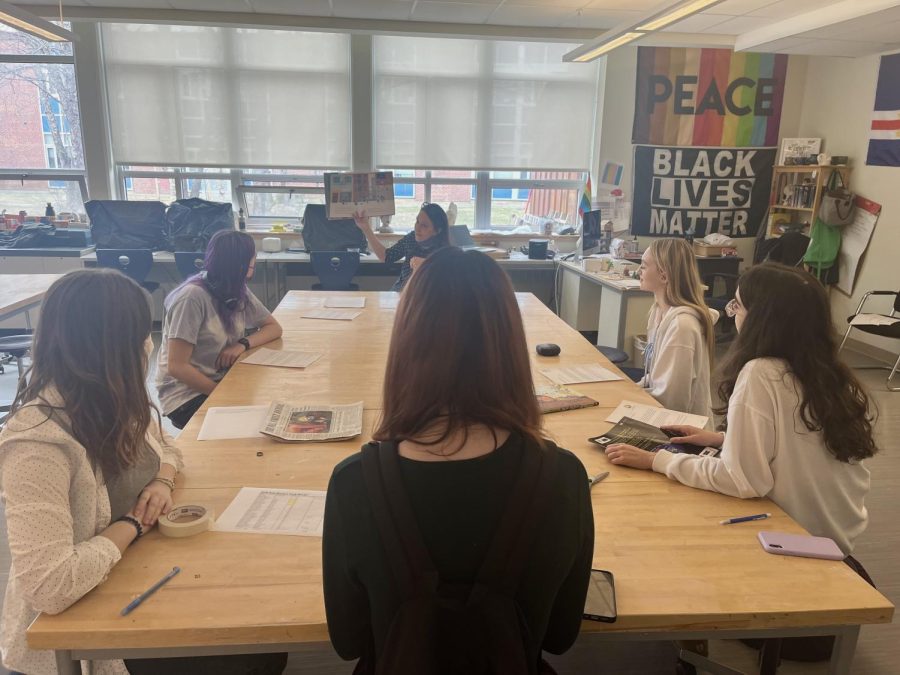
column 732, row 307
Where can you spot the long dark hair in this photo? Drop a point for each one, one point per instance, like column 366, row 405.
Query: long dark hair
column 438, row 218
column 788, row 318
column 466, row 362
column 89, row 346
column 225, row 267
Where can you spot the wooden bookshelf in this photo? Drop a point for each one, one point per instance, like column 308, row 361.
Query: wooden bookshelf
column 797, row 194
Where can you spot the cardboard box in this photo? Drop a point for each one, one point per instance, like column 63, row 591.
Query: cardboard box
column 702, row 250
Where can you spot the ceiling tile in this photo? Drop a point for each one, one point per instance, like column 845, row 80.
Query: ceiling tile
column 552, row 4
column 600, row 19
column 788, row 8
column 741, row 7
column 740, row 24
column 452, row 12
column 137, row 4
column 616, row 5
column 529, row 15
column 395, row 10
column 841, row 48
column 302, row 7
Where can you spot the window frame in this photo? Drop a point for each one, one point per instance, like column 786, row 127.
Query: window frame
column 53, row 176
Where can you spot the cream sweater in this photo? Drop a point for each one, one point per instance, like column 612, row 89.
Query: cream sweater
column 55, row 507
column 677, row 362
column 769, row 452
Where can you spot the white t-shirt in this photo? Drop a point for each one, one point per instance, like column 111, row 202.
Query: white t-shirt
column 191, row 316
column 769, row 452
column 677, row 362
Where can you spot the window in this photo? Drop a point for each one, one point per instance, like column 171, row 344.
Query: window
column 207, row 96
column 503, row 105
column 42, row 154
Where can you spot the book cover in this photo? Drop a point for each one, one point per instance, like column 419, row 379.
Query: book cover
column 557, row 398
column 647, row 437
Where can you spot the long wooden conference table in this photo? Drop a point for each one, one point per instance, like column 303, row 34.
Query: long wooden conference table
column 22, row 293
column 679, row 573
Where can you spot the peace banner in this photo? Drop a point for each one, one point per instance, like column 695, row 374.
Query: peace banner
column 708, row 97
column 702, row 190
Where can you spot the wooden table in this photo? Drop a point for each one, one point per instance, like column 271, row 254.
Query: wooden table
column 22, row 293
column 679, row 573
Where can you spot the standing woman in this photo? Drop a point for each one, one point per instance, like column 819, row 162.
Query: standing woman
column 211, row 319
column 85, row 467
column 431, row 232
column 680, row 337
column 460, row 430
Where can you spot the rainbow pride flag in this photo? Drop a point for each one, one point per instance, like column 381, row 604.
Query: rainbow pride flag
column 585, row 204
column 708, row 97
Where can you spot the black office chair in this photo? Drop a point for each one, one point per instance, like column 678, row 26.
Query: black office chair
column 17, row 346
column 188, row 263
column 888, row 331
column 335, row 270
column 132, row 262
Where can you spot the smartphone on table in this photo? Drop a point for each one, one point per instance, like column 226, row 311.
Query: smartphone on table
column 600, row 604
column 801, row 545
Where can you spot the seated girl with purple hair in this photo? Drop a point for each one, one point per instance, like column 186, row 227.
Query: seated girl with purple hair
column 211, row 319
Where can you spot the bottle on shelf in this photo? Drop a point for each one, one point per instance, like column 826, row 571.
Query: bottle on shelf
column 242, row 222
column 49, row 212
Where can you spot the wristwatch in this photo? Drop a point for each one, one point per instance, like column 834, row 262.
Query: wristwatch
column 244, row 341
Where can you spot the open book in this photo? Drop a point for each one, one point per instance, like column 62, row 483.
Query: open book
column 646, row 437
column 286, row 422
column 557, row 398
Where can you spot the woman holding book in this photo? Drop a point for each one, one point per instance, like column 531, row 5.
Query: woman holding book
column 430, row 233
column 211, row 319
column 680, row 339
column 799, row 424
column 456, row 432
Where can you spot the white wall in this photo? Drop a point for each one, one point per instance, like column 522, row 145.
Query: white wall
column 617, row 117
column 837, row 106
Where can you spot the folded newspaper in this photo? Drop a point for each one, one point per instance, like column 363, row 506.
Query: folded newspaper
column 287, row 422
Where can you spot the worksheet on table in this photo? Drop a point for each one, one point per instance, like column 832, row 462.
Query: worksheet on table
column 275, row 511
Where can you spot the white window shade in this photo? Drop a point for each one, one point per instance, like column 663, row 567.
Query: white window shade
column 461, row 104
column 198, row 95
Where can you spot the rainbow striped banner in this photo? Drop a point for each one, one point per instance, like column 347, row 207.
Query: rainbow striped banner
column 708, row 97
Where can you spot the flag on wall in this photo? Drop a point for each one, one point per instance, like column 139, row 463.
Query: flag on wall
column 884, row 136
column 708, row 97
column 585, row 204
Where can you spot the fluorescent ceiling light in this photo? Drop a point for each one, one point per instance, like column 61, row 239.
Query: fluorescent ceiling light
column 633, row 29
column 18, row 18
column 607, row 47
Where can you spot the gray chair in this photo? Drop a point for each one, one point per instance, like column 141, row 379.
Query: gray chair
column 17, row 346
column 888, row 331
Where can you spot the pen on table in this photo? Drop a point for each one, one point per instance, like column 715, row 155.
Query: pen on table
column 150, row 591
column 745, row 519
column 593, row 480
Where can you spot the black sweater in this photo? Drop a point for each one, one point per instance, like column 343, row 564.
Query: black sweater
column 458, row 505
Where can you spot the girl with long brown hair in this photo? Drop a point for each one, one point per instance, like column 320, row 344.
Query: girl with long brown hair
column 459, row 421
column 799, row 424
column 680, row 340
column 85, row 467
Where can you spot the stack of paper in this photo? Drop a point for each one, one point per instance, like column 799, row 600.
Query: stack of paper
column 580, row 374
column 873, row 320
column 284, row 358
column 233, row 422
column 333, row 314
column 658, row 417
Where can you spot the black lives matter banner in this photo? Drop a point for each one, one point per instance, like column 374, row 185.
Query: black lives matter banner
column 703, row 190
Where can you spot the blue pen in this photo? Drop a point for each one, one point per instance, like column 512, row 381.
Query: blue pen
column 150, row 591
column 745, row 519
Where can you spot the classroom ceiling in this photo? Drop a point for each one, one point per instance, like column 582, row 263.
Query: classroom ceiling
column 874, row 32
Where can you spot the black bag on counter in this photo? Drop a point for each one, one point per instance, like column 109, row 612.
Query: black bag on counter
column 192, row 222
column 321, row 234
column 122, row 224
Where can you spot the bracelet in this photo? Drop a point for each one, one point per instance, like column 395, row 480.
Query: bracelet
column 133, row 521
column 168, row 482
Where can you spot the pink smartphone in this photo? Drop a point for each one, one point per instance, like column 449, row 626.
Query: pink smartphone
column 802, row 545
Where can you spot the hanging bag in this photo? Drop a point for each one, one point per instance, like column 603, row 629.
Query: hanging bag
column 837, row 207
column 823, row 249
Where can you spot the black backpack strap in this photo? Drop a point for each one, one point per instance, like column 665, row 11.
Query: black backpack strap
column 408, row 557
column 505, row 561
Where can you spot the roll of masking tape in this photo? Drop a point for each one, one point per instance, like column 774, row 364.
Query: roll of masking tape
column 186, row 521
